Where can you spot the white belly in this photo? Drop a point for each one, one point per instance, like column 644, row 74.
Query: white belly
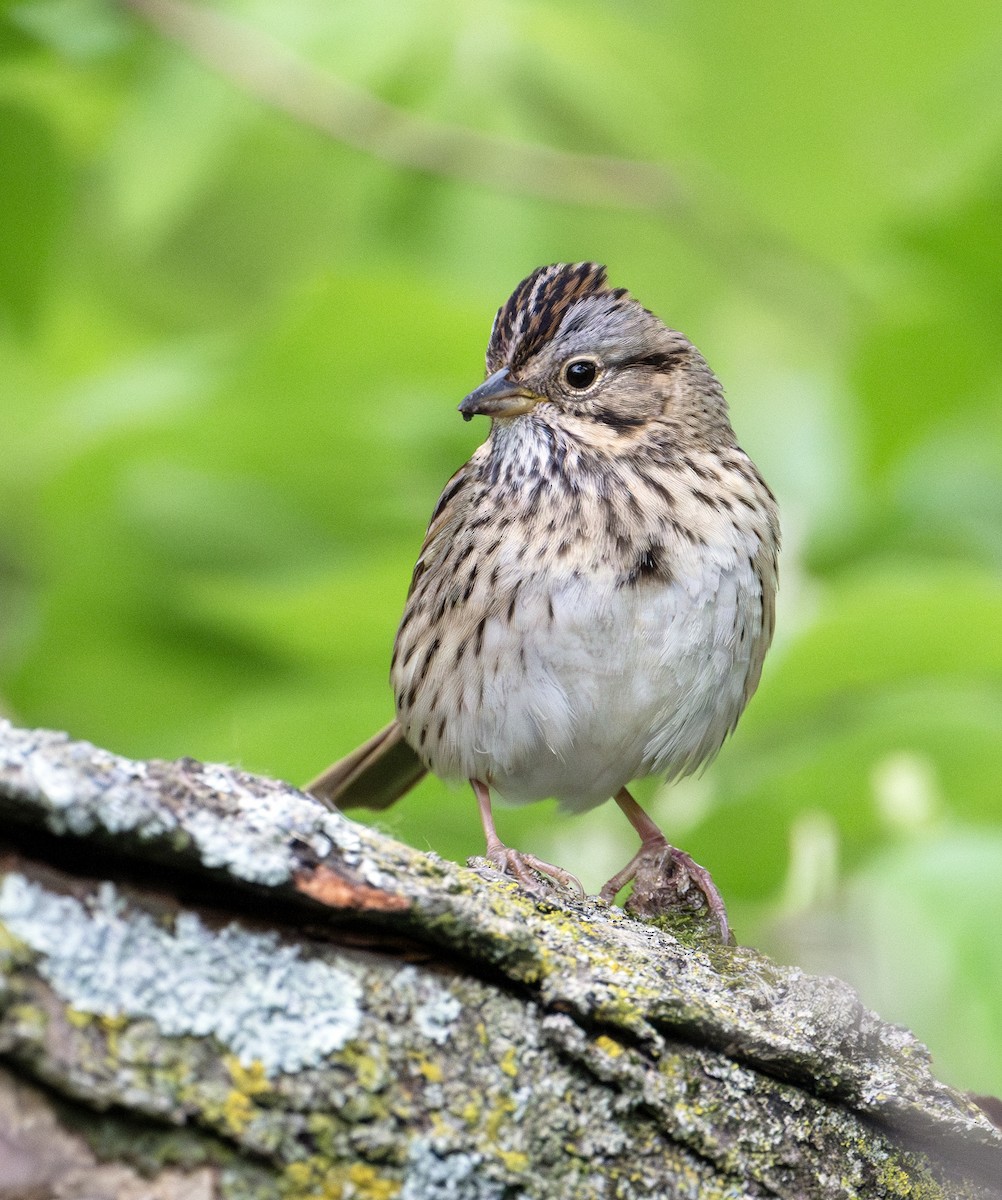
column 621, row 683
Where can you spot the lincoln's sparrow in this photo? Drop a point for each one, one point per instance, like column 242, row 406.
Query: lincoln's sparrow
column 595, row 593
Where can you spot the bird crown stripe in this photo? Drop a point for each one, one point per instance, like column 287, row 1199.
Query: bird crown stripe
column 535, row 309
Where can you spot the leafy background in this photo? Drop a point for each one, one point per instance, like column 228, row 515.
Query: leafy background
column 232, row 340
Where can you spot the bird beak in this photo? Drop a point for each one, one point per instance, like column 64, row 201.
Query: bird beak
column 499, row 396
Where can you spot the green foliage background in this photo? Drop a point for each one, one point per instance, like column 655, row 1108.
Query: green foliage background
column 231, row 349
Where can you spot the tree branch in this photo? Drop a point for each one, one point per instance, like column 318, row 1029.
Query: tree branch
column 272, row 73
column 196, row 952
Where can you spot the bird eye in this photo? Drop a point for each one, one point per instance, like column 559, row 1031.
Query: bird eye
column 580, row 373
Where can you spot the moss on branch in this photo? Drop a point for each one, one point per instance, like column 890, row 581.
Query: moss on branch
column 193, row 956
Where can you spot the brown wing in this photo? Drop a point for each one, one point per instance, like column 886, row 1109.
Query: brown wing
column 375, row 775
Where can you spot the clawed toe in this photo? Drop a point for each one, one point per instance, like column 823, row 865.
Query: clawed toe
column 532, row 872
column 564, row 878
column 667, row 880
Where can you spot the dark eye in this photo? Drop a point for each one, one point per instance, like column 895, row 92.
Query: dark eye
column 580, row 373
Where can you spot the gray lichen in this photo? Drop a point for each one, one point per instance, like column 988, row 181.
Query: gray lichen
column 119, row 796
column 436, row 1014
column 457, row 1176
column 261, row 1000
column 364, row 1021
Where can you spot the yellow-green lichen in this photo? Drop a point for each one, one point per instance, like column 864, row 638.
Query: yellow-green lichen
column 370, row 1185
column 317, row 1178
column 502, row 1109
column 364, row 1107
column 252, row 1079
column 310, row 1179
column 514, row 1160
column 13, row 951
column 112, row 1024
column 896, row 1181
column 29, row 1020
column 237, row 1112
column 230, row 1111
column 509, row 1062
column 471, row 1112
column 431, row 1071
column 369, row 1063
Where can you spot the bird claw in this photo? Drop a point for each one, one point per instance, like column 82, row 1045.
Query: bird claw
column 665, row 881
column 528, row 869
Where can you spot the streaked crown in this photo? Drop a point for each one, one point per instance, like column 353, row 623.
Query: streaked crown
column 532, row 314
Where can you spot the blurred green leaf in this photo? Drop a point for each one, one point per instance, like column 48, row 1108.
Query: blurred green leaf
column 14, row 42
column 901, row 626
column 917, row 931
column 80, row 29
column 167, row 148
column 193, row 519
column 937, row 352
column 34, row 194
column 906, row 663
column 949, row 512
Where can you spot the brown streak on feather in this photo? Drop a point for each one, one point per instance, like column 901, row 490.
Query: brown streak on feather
column 521, row 329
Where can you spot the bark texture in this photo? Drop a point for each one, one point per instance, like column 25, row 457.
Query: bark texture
column 211, row 985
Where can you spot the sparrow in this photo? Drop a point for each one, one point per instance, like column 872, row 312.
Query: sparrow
column 595, row 593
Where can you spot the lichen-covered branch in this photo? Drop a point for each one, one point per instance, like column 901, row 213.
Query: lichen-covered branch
column 210, row 978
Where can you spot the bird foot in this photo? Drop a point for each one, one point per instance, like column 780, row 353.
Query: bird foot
column 666, row 881
column 532, row 872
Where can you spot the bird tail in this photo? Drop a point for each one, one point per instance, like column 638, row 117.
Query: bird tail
column 375, row 775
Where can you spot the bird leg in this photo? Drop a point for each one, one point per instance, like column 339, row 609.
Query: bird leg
column 514, row 862
column 663, row 875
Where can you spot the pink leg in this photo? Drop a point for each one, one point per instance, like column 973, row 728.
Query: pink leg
column 512, row 862
column 658, row 867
